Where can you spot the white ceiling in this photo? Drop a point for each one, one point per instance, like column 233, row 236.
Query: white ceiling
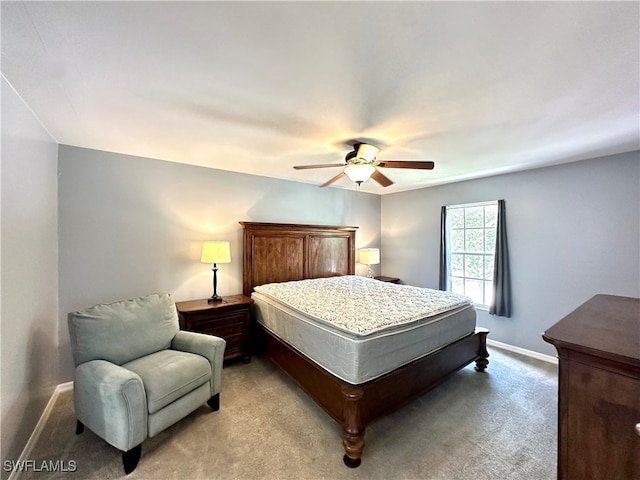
column 257, row 87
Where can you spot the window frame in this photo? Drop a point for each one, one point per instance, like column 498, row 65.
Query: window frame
column 485, row 281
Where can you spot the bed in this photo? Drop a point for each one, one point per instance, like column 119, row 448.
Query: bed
column 274, row 253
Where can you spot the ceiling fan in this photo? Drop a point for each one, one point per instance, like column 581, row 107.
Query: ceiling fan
column 362, row 164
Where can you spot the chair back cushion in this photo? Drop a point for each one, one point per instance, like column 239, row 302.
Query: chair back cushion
column 122, row 331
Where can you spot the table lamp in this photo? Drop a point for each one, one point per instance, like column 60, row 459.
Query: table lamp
column 215, row 252
column 368, row 257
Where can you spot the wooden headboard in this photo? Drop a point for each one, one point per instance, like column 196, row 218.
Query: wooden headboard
column 279, row 252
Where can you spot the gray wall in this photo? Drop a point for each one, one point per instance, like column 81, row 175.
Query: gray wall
column 573, row 232
column 29, row 278
column 131, row 226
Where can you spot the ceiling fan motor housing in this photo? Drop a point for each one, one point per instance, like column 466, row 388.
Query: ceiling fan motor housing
column 367, row 152
column 362, row 153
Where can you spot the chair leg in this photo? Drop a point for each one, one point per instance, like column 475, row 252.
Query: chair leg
column 214, row 402
column 130, row 459
column 79, row 427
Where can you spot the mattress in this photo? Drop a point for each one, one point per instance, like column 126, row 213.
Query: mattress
column 358, row 328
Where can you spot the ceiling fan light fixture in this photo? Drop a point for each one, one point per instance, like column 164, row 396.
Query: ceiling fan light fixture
column 359, row 172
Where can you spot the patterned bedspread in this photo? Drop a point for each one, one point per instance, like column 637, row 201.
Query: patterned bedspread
column 362, row 305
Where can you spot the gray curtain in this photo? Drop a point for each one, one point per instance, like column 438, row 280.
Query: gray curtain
column 444, row 264
column 501, row 278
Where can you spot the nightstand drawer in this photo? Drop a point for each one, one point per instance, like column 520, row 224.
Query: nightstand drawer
column 222, row 331
column 234, row 343
column 228, row 319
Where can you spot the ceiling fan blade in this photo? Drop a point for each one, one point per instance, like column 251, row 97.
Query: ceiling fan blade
column 337, row 177
column 406, row 164
column 381, row 179
column 322, row 165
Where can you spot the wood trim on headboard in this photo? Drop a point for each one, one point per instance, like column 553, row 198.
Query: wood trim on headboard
column 279, row 252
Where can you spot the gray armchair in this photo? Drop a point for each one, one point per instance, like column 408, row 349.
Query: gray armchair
column 136, row 373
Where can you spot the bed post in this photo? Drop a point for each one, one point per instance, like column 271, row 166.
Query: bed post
column 352, row 427
column 482, row 362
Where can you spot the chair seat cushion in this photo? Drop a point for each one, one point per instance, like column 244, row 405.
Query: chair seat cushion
column 169, row 374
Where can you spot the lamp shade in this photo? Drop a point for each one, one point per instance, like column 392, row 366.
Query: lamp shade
column 359, row 172
column 215, row 252
column 369, row 256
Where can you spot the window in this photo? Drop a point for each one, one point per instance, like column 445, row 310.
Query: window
column 470, row 233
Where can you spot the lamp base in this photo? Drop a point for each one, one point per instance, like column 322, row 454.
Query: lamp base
column 214, row 299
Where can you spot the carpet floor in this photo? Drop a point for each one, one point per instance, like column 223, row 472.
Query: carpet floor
column 497, row 425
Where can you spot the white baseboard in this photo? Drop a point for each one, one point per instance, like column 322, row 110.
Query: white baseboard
column 522, row 351
column 26, row 453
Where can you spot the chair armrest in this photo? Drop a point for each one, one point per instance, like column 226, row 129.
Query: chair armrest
column 210, row 347
column 112, row 402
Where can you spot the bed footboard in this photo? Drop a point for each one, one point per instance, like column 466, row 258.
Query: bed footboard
column 356, row 406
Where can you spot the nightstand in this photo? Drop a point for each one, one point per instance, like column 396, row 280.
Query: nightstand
column 228, row 319
column 388, row 279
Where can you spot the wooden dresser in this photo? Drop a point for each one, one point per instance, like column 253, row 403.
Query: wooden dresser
column 228, row 319
column 598, row 348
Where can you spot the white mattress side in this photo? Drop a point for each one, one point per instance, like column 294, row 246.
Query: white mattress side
column 356, row 359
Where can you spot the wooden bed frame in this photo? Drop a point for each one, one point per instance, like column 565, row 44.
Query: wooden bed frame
column 276, row 252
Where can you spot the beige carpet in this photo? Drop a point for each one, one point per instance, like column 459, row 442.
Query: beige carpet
column 496, row 425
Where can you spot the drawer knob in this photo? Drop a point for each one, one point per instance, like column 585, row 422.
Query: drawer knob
column 638, row 429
